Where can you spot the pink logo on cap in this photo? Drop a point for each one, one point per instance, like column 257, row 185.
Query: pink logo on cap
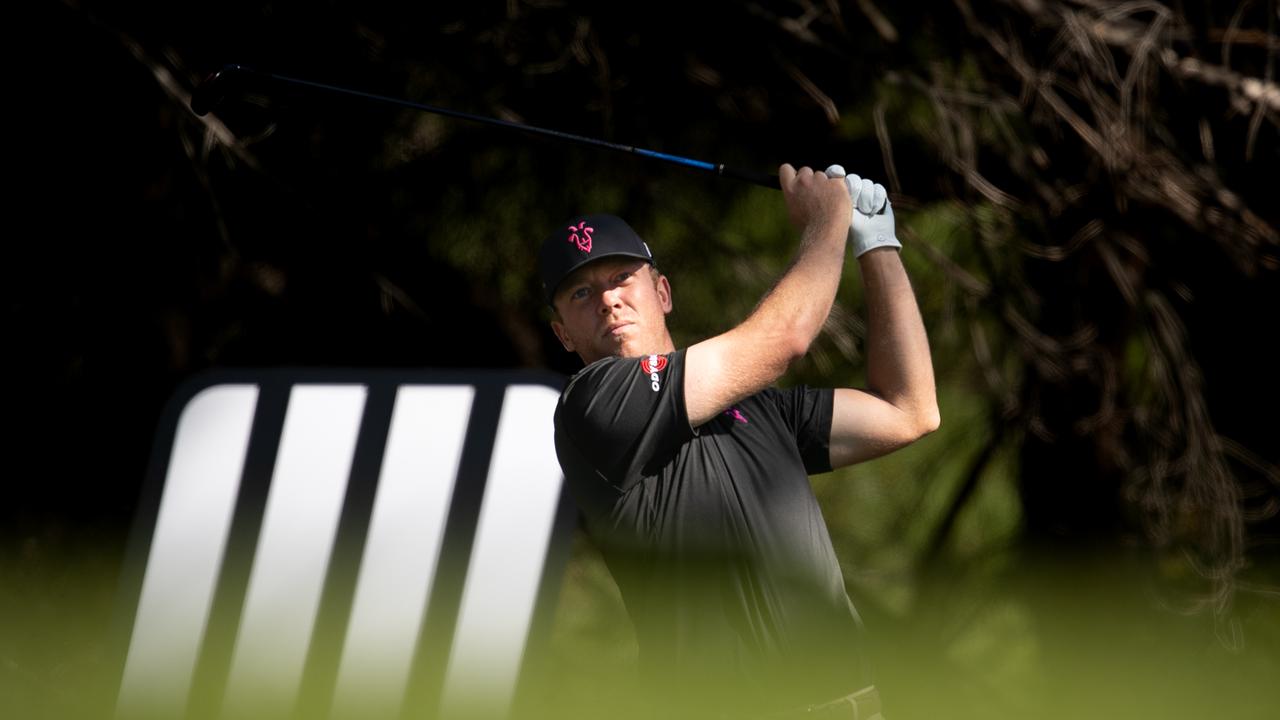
column 583, row 241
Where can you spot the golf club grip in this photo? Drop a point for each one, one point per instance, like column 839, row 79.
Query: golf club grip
column 761, row 179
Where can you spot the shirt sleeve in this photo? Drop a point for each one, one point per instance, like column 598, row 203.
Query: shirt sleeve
column 625, row 416
column 807, row 412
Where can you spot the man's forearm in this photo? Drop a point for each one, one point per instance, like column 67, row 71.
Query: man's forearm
column 800, row 301
column 899, row 367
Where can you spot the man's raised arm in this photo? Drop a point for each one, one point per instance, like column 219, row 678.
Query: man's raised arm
column 722, row 370
column 899, row 404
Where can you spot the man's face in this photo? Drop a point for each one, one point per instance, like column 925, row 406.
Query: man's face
column 613, row 307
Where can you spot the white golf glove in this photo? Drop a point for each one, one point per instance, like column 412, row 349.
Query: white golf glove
column 872, row 224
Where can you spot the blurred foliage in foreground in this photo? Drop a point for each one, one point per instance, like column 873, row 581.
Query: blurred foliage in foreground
column 1058, row 642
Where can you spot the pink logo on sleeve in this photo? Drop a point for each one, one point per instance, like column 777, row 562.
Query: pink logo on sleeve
column 736, row 414
column 583, row 241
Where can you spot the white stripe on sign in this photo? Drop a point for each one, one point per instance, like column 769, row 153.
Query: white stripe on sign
column 210, row 442
column 298, row 527
column 516, row 518
column 419, row 471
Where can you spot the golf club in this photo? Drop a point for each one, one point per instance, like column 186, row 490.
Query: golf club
column 232, row 79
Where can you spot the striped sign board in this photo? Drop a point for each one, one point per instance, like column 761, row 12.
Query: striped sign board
column 344, row 544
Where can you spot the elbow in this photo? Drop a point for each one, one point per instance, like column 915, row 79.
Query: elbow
column 794, row 348
column 777, row 342
column 795, row 342
column 925, row 416
column 917, row 419
column 928, row 420
column 781, row 349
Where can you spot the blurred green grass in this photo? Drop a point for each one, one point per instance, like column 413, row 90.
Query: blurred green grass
column 58, row 595
column 979, row 638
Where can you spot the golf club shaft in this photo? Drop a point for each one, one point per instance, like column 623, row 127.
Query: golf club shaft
column 210, row 93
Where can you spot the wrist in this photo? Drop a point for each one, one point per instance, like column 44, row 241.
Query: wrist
column 825, row 231
column 881, row 253
column 870, row 231
column 862, row 243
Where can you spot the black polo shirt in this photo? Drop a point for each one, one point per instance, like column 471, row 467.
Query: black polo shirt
column 713, row 533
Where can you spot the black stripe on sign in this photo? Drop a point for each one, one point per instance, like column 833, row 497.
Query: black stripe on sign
column 536, row 661
column 426, row 679
column 321, row 671
column 214, row 663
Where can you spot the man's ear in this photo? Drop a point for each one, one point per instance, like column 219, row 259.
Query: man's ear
column 558, row 328
column 664, row 293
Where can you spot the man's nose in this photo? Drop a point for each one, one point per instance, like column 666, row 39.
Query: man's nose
column 608, row 299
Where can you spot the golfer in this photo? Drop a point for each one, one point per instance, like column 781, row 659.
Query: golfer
column 691, row 469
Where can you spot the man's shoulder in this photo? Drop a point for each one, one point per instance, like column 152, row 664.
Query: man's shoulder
column 592, row 374
column 614, row 369
column 605, row 377
column 602, row 365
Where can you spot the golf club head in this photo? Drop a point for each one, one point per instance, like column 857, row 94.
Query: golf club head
column 215, row 88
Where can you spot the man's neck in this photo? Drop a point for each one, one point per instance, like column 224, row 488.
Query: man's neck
column 665, row 347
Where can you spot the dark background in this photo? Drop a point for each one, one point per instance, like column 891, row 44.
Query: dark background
column 1091, row 224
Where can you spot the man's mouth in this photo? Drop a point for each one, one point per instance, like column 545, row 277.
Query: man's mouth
column 616, row 328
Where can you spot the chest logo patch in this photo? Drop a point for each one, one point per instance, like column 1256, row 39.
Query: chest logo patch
column 651, row 366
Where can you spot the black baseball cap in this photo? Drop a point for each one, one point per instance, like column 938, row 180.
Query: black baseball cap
column 583, row 239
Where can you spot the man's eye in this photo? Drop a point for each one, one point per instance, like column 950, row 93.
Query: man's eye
column 579, row 294
column 623, row 276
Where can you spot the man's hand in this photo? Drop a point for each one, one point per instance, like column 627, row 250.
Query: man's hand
column 811, row 198
column 872, row 222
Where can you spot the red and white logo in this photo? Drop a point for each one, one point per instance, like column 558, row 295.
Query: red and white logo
column 653, row 364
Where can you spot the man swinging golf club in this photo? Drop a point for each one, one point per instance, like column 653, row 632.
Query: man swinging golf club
column 691, row 470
